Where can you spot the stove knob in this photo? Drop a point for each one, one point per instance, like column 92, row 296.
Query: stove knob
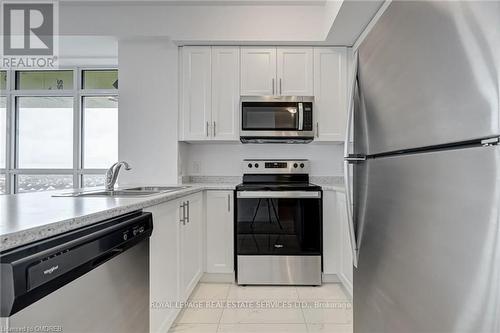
column 295, row 165
column 250, row 165
column 256, row 165
column 302, row 165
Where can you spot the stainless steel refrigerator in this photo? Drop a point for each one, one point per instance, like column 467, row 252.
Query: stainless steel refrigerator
column 425, row 167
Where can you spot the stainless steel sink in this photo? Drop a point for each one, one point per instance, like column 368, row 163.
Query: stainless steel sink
column 125, row 192
column 155, row 188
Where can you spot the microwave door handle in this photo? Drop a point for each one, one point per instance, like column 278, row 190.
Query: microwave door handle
column 301, row 116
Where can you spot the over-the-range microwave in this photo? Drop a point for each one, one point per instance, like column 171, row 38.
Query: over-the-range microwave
column 276, row 119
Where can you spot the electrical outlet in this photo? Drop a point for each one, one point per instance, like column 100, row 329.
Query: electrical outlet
column 196, row 167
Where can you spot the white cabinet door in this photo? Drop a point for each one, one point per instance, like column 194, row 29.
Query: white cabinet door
column 190, row 257
column 220, row 238
column 225, row 92
column 196, row 101
column 346, row 267
column 258, row 71
column 163, row 274
column 331, row 234
column 295, row 71
column 330, row 93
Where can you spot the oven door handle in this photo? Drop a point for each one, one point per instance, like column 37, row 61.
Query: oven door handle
column 279, row 194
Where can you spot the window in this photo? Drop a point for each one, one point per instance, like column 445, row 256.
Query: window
column 45, row 132
column 100, row 79
column 64, row 131
column 3, row 80
column 100, row 131
column 3, row 131
column 44, row 80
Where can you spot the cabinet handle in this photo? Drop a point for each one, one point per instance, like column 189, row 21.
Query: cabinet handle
column 188, row 209
column 207, row 129
column 229, row 202
column 280, row 88
column 317, row 130
column 214, row 130
column 182, row 214
column 272, row 83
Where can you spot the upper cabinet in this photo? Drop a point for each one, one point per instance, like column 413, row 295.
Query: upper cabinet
column 225, row 92
column 209, row 93
column 258, row 71
column 294, row 71
column 213, row 79
column 196, row 101
column 330, row 93
column 277, row 71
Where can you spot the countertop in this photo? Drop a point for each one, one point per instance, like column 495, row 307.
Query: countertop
column 28, row 217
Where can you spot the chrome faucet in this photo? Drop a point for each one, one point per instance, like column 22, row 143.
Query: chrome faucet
column 112, row 174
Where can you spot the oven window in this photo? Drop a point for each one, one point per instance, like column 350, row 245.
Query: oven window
column 278, row 226
column 259, row 116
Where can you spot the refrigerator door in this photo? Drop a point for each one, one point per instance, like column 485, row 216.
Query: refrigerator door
column 429, row 243
column 429, row 74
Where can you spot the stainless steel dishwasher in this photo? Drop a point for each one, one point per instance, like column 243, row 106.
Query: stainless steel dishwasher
column 92, row 279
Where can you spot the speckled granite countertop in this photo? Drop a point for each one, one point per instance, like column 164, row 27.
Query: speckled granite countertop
column 28, row 217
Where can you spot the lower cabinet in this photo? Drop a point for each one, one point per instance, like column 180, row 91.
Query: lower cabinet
column 337, row 252
column 163, row 272
column 190, row 236
column 220, row 237
column 175, row 257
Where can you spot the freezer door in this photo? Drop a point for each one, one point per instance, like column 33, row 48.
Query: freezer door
column 429, row 74
column 429, row 249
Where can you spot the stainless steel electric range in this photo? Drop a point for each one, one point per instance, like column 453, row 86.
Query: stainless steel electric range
column 278, row 224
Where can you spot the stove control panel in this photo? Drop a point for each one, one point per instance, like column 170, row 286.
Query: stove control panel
column 275, row 166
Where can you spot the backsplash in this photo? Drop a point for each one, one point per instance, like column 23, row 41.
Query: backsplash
column 224, row 159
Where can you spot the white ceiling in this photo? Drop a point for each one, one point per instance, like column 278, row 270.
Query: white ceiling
column 209, row 2
column 254, row 22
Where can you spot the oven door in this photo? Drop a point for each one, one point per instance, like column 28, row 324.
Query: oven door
column 287, row 223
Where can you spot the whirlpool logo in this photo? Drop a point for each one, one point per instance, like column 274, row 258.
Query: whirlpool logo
column 51, row 270
column 29, row 31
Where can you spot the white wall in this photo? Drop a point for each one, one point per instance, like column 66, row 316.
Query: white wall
column 224, row 159
column 148, row 76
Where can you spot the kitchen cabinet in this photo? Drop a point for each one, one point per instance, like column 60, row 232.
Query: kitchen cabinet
column 196, row 96
column 163, row 258
column 258, row 71
column 190, row 241
column 220, row 238
column 209, row 93
column 346, row 263
column 282, row 71
column 330, row 93
column 225, row 93
column 337, row 252
column 294, row 71
column 331, row 234
column 175, row 257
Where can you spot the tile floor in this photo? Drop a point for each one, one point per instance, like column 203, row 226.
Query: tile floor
column 229, row 308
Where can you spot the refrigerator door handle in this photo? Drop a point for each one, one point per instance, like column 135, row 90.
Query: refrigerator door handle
column 348, row 159
column 350, row 217
column 350, row 108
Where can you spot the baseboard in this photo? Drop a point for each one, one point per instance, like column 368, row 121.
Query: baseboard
column 347, row 284
column 331, row 278
column 169, row 321
column 217, row 277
